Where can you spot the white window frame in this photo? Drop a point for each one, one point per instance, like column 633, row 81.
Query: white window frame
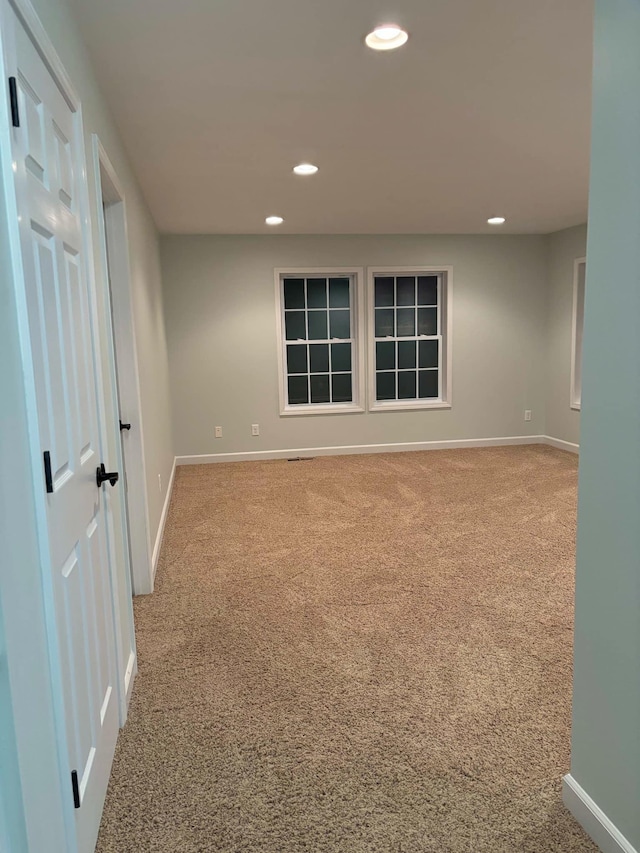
column 445, row 306
column 577, row 327
column 357, row 341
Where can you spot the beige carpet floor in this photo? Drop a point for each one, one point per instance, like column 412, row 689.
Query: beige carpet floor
column 366, row 653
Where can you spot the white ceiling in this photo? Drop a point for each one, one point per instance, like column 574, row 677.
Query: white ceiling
column 484, row 112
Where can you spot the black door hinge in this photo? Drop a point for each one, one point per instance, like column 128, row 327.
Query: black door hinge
column 47, row 471
column 76, row 789
column 13, row 99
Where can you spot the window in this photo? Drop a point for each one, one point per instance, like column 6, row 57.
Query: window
column 579, row 273
column 319, row 329
column 410, row 338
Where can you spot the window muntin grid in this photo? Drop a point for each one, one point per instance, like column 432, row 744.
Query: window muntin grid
column 318, row 339
column 407, row 337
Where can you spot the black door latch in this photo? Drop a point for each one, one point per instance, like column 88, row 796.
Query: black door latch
column 102, row 476
column 124, row 426
column 76, row 789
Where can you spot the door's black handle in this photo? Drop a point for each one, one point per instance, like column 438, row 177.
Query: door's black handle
column 124, row 426
column 102, row 476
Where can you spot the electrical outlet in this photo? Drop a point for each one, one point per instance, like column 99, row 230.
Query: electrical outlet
column 160, row 482
column 218, row 432
column 255, row 429
column 527, row 414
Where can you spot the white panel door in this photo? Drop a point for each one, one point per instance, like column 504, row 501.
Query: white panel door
column 49, row 168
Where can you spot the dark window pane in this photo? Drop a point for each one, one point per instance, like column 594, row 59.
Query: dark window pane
column 339, row 324
column 320, row 389
column 385, row 355
column 294, row 325
column 406, row 322
column 341, row 356
column 294, row 293
column 427, row 321
column 298, row 390
column 428, row 354
column 297, row 358
column 384, row 322
column 338, row 292
column 385, row 386
column 407, row 385
column 428, row 383
column 406, row 285
column 317, row 325
column 319, row 358
column 316, row 293
column 384, row 291
column 428, row 290
column 341, row 388
column 406, row 354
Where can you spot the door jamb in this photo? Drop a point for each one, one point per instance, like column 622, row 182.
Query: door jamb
column 108, row 186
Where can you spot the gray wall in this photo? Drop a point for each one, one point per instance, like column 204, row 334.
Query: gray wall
column 220, row 313
column 58, row 20
column 605, row 757
column 12, row 827
column 563, row 422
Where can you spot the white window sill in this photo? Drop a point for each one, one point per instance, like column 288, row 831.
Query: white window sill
column 409, row 405
column 320, row 409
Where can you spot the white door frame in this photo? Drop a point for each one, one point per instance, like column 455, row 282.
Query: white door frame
column 24, row 714
column 577, row 323
column 116, row 264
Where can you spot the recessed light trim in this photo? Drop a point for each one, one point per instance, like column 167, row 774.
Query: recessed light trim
column 496, row 220
column 305, row 169
column 274, row 220
column 386, row 37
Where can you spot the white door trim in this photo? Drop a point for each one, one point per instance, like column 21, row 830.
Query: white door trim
column 577, row 323
column 109, row 186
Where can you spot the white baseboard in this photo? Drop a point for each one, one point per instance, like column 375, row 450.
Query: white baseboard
column 344, row 450
column 561, row 444
column 163, row 520
column 592, row 819
column 129, row 677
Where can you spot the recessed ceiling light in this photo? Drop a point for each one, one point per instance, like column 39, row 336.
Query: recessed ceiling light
column 305, row 169
column 386, row 37
column 274, row 220
column 496, row 220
